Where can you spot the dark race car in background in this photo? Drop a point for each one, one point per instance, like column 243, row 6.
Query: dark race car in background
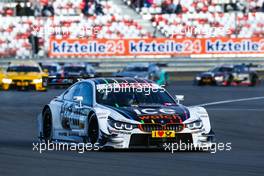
column 149, row 71
column 228, row 75
column 75, row 72
column 68, row 73
column 55, row 72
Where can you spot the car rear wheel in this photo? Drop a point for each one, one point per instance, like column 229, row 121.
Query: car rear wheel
column 47, row 125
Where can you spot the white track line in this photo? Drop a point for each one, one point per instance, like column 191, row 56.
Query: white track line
column 234, row 109
column 230, row 101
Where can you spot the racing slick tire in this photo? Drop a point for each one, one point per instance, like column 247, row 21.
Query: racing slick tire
column 47, row 125
column 253, row 80
column 229, row 80
column 93, row 130
column 198, row 83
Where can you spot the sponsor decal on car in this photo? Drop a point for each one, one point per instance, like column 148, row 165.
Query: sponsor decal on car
column 148, row 117
column 163, row 134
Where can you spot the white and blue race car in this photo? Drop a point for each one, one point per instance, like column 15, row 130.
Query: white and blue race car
column 122, row 113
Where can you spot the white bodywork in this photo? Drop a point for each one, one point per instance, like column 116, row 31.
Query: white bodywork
column 118, row 138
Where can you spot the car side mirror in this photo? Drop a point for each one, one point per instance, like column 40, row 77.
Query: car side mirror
column 179, row 98
column 79, row 100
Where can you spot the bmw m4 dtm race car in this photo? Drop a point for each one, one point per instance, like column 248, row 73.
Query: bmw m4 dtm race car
column 24, row 76
column 122, row 113
column 228, row 75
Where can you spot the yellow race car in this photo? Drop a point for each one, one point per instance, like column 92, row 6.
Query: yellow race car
column 1, row 76
column 25, row 75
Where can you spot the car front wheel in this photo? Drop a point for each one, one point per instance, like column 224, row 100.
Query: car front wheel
column 93, row 130
column 47, row 125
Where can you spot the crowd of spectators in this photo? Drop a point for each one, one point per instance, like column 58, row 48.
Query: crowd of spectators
column 17, row 19
column 170, row 7
column 177, row 6
column 46, row 8
column 31, row 8
column 91, row 7
column 23, row 24
column 256, row 5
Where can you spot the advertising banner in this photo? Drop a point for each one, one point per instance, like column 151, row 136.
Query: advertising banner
column 154, row 46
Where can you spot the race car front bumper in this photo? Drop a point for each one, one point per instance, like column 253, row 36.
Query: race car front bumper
column 24, row 85
column 137, row 139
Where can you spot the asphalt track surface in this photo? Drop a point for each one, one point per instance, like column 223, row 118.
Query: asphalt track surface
column 240, row 123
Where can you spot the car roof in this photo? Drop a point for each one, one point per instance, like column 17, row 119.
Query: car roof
column 24, row 63
column 241, row 65
column 227, row 66
column 112, row 80
column 50, row 64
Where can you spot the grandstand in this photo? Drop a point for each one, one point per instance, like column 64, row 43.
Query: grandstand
column 27, row 26
column 68, row 21
column 238, row 19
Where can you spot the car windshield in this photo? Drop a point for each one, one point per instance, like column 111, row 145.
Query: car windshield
column 136, row 69
column 90, row 69
column 51, row 69
column 222, row 69
column 241, row 68
column 23, row 69
column 74, row 69
column 128, row 98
